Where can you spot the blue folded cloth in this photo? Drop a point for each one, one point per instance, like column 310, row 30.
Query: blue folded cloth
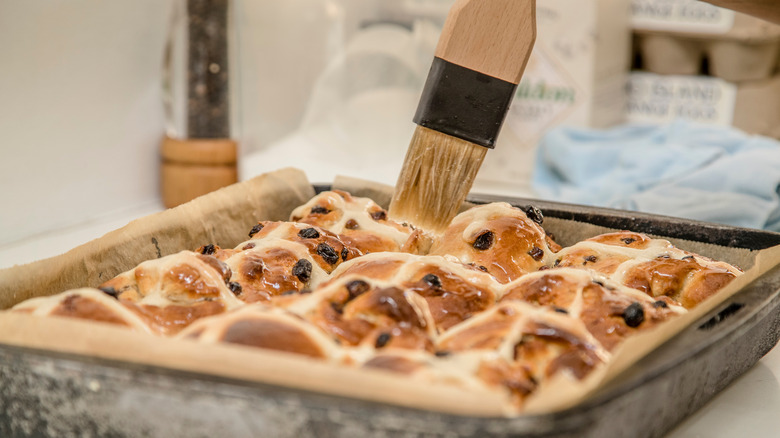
column 683, row 169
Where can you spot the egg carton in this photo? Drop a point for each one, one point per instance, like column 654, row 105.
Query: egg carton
column 752, row 106
column 757, row 107
column 746, row 52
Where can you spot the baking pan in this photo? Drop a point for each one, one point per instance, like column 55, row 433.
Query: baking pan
column 44, row 393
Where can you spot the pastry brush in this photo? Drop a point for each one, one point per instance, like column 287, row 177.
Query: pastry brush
column 481, row 55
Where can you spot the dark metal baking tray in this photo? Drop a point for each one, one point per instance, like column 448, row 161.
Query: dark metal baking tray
column 53, row 394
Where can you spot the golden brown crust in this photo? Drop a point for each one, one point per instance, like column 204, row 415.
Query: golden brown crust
column 76, row 306
column 396, row 364
column 172, row 292
column 323, row 210
column 265, row 273
column 359, row 311
column 383, row 317
column 359, row 222
column 450, row 298
column 552, row 290
column 498, row 237
column 525, row 346
column 325, row 248
column 685, row 281
column 259, row 326
column 368, row 242
column 624, row 238
column 454, row 292
column 384, row 268
column 272, row 335
column 182, row 278
column 609, row 311
column 88, row 304
column 652, row 266
column 514, row 376
column 591, row 259
column 487, row 334
column 607, row 318
column 171, row 319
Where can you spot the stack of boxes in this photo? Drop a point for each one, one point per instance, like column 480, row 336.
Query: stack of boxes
column 706, row 64
column 576, row 77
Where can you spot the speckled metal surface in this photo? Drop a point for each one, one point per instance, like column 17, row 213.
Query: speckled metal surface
column 50, row 394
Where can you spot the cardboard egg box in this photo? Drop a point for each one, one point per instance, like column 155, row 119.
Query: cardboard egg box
column 701, row 63
column 687, row 37
column 752, row 106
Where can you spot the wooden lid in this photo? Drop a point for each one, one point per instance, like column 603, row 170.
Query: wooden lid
column 194, row 167
column 182, row 183
column 209, row 151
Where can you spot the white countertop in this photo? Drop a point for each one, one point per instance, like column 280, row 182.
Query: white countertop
column 749, row 407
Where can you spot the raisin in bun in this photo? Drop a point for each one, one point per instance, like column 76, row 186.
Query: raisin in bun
column 498, row 238
column 518, row 347
column 171, row 292
column 90, row 304
column 360, row 223
column 359, row 311
column 324, row 246
column 454, row 291
column 608, row 310
column 653, row 266
column 260, row 326
column 270, row 268
column 281, row 258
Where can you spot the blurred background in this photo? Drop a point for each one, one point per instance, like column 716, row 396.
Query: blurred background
column 650, row 105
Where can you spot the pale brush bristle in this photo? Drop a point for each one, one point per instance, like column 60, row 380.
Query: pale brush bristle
column 436, row 177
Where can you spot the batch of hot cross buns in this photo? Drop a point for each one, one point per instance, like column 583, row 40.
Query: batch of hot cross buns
column 492, row 302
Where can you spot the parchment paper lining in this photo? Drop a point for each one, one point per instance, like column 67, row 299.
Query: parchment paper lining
column 224, row 218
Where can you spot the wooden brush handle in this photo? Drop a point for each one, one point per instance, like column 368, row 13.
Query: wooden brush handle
column 765, row 9
column 494, row 37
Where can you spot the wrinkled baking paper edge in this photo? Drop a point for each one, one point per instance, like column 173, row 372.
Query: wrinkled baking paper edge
column 224, row 218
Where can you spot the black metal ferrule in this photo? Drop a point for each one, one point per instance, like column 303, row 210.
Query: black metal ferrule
column 464, row 103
